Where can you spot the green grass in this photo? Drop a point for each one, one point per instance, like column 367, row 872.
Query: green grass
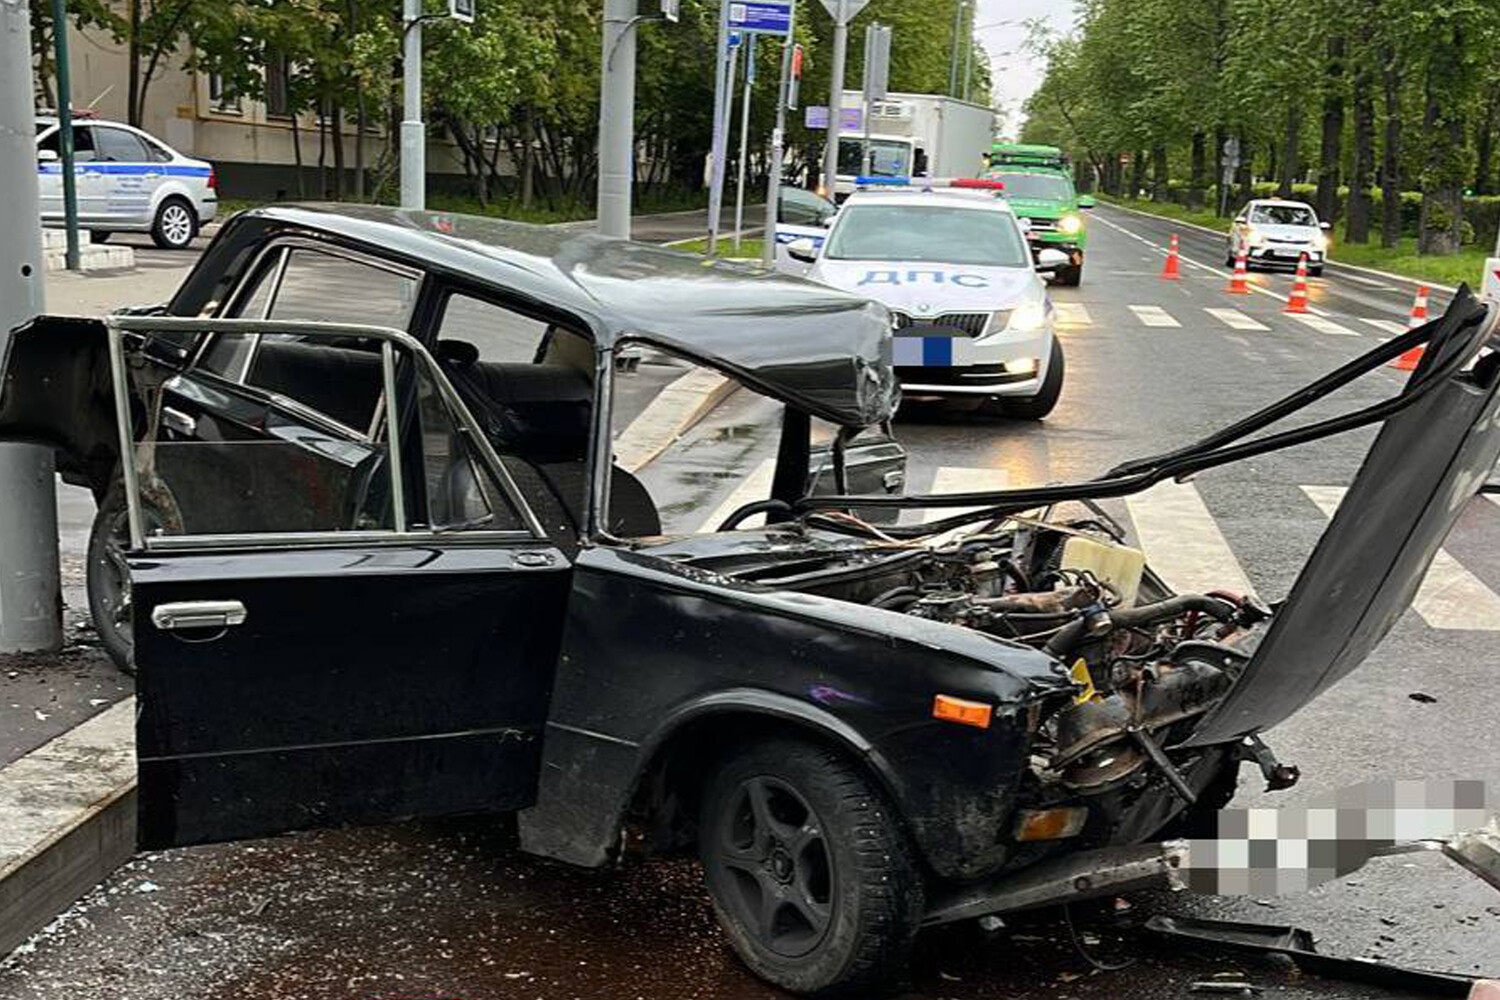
column 748, row 247
column 1402, row 259
column 505, row 208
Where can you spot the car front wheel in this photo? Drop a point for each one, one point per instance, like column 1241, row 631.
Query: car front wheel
column 811, row 875
column 1038, row 406
column 175, row 226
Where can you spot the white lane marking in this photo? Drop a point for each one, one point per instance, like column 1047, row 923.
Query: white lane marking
column 1255, row 286
column 1450, row 597
column 1323, row 325
column 756, row 486
column 962, row 479
column 1368, row 281
column 1153, row 316
column 1071, row 314
column 1236, row 319
column 1182, row 541
column 1387, row 325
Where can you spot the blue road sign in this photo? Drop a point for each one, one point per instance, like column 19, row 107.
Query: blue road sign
column 767, row 17
column 735, row 38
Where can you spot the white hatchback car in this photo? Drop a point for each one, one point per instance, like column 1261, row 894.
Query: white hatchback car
column 126, row 181
column 1272, row 231
column 971, row 317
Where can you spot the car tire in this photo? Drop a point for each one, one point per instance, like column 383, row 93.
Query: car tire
column 175, row 226
column 811, row 874
column 1069, row 277
column 99, row 235
column 106, row 577
column 1038, row 406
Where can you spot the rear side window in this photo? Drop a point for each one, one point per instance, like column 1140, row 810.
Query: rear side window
column 497, row 333
column 119, row 146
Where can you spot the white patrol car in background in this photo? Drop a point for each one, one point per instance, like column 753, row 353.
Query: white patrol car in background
column 1273, row 231
column 125, row 180
column 970, row 311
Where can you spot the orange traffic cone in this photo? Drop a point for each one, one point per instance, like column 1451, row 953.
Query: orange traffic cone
column 1407, row 361
column 1297, row 303
column 1172, row 270
column 1240, row 283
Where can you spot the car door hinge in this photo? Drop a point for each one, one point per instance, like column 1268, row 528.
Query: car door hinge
column 533, row 559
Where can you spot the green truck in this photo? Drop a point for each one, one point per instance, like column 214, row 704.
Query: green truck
column 1039, row 186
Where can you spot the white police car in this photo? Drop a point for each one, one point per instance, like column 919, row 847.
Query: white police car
column 948, row 258
column 126, row 181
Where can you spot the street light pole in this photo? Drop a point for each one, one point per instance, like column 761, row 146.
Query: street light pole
column 617, row 118
column 66, row 158
column 958, row 22
column 778, row 143
column 413, row 132
column 30, row 594
column 841, row 15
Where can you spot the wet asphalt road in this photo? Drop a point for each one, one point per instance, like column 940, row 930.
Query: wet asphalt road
column 453, row 910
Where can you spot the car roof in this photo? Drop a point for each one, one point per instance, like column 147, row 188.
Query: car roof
column 982, row 198
column 824, row 351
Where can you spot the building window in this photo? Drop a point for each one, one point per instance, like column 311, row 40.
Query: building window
column 219, row 96
column 278, row 97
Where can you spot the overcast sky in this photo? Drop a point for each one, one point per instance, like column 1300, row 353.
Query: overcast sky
column 1015, row 74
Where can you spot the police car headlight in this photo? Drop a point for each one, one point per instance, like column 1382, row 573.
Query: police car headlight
column 1320, row 241
column 1256, row 238
column 1028, row 318
column 1069, row 224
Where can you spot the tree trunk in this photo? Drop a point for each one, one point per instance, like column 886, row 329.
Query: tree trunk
column 1331, row 150
column 338, row 151
column 133, row 68
column 1291, row 157
column 1138, row 174
column 1219, row 185
column 528, row 167
column 1484, row 145
column 1198, row 168
column 360, row 122
column 1390, row 156
column 297, row 156
column 1246, row 173
column 322, row 148
column 1357, row 225
column 1441, row 228
column 1159, row 187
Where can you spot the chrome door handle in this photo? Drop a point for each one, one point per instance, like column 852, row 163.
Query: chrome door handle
column 197, row 614
column 178, row 421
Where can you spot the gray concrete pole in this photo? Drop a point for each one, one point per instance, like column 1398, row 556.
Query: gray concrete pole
column 778, row 146
column 958, row 27
column 836, row 99
column 968, row 39
column 723, row 102
column 30, row 597
column 617, row 118
column 413, row 132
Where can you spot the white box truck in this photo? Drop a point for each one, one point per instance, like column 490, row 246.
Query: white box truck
column 913, row 135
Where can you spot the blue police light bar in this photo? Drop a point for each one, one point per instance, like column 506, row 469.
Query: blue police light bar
column 926, row 183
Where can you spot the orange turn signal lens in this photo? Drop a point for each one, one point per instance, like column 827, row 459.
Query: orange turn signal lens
column 962, row 711
column 1050, row 824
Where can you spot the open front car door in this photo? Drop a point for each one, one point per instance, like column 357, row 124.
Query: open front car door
column 343, row 611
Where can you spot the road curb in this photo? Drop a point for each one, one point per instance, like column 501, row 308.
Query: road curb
column 67, row 819
column 1331, row 262
column 674, row 411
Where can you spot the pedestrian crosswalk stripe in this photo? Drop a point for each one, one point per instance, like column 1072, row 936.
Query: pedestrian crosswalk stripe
column 1071, row 314
column 1324, row 325
column 1153, row 316
column 1236, row 319
column 1182, row 540
column 756, row 486
column 1450, row 597
column 962, row 479
column 1387, row 325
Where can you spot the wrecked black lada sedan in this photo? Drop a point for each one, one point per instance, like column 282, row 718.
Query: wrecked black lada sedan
column 396, row 536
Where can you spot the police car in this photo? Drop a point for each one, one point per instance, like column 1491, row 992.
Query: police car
column 125, row 181
column 970, row 310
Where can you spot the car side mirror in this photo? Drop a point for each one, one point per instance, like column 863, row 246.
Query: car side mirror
column 1050, row 261
column 803, row 250
column 46, row 156
column 1325, row 225
column 1085, row 201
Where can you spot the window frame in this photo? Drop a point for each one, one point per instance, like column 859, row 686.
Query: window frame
column 117, row 327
